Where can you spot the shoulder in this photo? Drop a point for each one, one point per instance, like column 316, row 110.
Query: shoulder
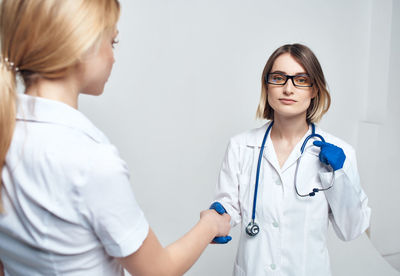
column 105, row 161
column 251, row 138
column 78, row 155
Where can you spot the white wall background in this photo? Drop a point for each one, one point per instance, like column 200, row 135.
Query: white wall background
column 187, row 78
column 378, row 154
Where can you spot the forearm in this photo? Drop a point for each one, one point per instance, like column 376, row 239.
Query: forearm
column 349, row 206
column 152, row 259
column 184, row 252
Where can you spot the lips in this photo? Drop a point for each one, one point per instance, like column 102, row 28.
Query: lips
column 287, row 101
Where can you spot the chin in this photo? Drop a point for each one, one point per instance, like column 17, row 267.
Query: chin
column 93, row 91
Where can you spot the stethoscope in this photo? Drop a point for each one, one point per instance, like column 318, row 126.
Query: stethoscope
column 252, row 228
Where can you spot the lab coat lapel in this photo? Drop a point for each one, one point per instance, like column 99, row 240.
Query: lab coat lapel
column 293, row 157
column 269, row 151
column 270, row 155
column 255, row 141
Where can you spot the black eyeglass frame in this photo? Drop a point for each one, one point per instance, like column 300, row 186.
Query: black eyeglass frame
column 287, row 78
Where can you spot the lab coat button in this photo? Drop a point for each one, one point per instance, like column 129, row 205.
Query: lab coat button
column 278, row 182
column 273, row 266
column 275, row 224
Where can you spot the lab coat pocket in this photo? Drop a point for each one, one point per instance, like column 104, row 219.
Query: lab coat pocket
column 238, row 271
column 244, row 194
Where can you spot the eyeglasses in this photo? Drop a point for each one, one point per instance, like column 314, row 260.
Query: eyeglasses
column 301, row 80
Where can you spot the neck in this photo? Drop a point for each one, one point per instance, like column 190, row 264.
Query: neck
column 290, row 129
column 64, row 90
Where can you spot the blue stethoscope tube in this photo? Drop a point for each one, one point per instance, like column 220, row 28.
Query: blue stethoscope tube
column 252, row 228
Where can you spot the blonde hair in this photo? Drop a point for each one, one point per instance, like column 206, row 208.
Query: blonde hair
column 44, row 39
column 302, row 54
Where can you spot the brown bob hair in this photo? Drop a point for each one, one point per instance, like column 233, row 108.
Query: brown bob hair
column 302, row 54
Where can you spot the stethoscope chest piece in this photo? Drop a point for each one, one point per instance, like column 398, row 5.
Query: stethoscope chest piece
column 252, row 229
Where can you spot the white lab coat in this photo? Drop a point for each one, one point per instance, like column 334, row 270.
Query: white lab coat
column 292, row 237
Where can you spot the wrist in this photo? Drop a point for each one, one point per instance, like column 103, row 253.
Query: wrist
column 208, row 221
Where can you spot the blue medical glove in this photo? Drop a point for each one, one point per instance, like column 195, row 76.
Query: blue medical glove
column 331, row 155
column 220, row 210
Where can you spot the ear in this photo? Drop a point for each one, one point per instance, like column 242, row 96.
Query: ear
column 314, row 92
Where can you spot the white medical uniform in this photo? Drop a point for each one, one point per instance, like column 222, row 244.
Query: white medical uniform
column 69, row 205
column 292, row 237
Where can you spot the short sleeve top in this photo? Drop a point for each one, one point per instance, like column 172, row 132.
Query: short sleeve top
column 69, row 204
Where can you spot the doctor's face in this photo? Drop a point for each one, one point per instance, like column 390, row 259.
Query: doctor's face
column 289, row 100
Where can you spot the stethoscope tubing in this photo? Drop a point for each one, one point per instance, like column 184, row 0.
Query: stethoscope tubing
column 253, row 216
column 253, row 224
column 315, row 190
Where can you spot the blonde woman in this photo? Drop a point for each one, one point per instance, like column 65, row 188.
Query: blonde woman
column 305, row 177
column 67, row 204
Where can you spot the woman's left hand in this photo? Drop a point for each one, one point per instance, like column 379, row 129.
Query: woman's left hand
column 331, row 155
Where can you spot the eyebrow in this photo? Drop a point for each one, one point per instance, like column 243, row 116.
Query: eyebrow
column 298, row 73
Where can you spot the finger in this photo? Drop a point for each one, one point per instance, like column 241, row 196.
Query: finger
column 218, row 207
column 319, row 143
column 222, row 240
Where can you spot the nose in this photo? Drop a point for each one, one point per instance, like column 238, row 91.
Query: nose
column 288, row 87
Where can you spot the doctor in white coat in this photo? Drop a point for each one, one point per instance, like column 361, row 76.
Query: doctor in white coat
column 292, row 229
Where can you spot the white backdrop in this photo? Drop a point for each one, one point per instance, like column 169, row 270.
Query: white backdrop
column 187, row 78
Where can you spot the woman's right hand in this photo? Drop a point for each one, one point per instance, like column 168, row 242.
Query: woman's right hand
column 220, row 223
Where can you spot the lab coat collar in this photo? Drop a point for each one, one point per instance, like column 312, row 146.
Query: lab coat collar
column 255, row 140
column 37, row 109
column 257, row 135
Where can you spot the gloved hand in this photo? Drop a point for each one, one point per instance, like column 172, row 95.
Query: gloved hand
column 331, row 155
column 220, row 210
